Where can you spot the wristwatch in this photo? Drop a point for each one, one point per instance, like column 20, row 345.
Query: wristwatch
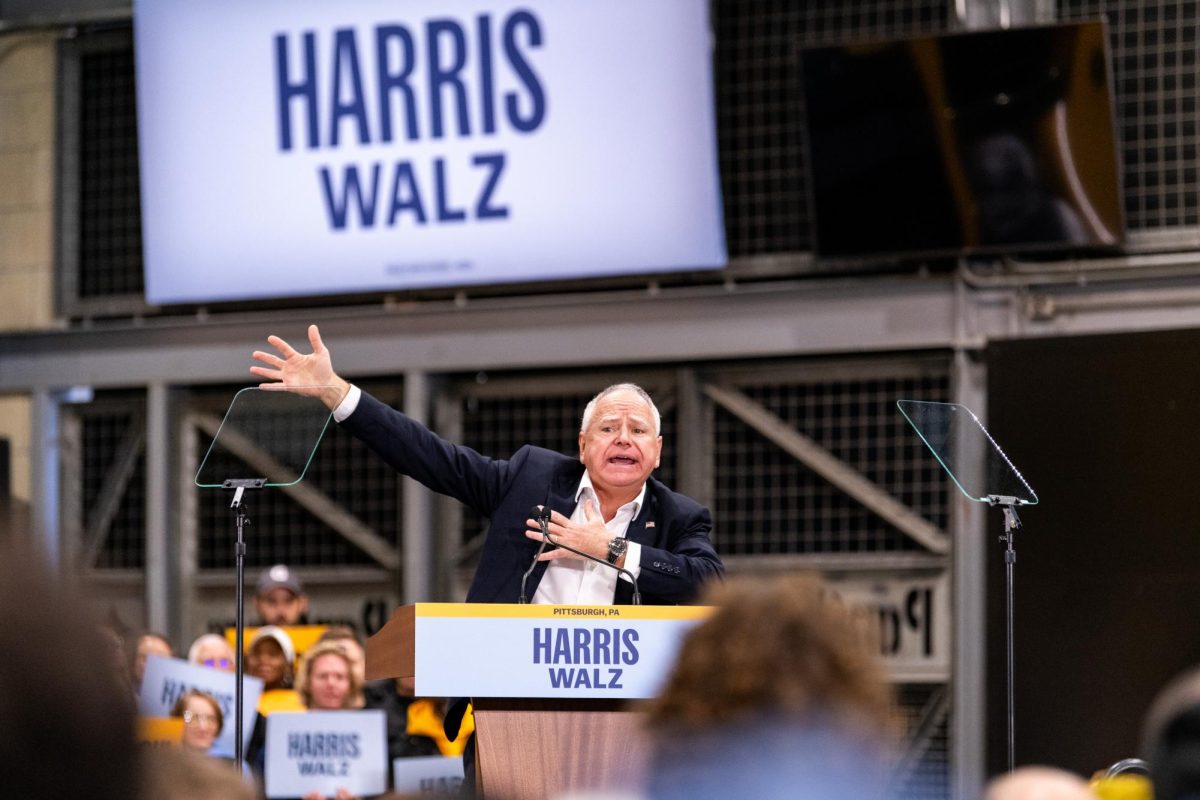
column 616, row 548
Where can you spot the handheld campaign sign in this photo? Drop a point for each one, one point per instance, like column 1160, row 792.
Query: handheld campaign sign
column 325, row 751
column 167, row 678
column 441, row 776
column 306, row 147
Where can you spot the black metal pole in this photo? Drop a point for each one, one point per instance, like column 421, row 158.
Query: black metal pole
column 239, row 487
column 240, row 615
column 1011, row 523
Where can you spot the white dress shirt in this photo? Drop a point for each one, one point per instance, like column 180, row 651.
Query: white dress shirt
column 576, row 581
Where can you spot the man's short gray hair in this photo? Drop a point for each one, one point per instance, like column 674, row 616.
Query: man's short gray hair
column 618, row 387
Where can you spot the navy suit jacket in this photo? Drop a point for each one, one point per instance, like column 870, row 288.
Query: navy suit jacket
column 673, row 530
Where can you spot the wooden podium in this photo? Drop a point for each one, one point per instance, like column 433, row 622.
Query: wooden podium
column 555, row 688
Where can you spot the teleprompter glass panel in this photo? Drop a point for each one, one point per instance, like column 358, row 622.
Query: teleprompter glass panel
column 968, row 453
column 269, row 435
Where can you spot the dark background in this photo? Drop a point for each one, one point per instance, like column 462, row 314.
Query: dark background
column 1106, row 430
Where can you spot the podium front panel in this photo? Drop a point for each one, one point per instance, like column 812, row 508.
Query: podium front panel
column 510, row 650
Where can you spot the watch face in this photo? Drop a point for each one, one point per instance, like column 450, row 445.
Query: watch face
column 616, row 549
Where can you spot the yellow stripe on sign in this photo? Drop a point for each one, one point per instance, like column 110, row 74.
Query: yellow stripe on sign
column 576, row 613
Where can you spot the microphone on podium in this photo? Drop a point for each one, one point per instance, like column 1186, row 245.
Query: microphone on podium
column 542, row 515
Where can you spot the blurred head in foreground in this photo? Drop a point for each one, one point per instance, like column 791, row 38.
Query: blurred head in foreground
column 178, row 774
column 66, row 723
column 1171, row 738
column 1039, row 783
column 780, row 693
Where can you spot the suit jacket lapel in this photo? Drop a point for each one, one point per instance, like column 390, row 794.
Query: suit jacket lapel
column 643, row 529
column 562, row 491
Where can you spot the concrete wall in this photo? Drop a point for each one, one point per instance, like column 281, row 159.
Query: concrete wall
column 27, row 92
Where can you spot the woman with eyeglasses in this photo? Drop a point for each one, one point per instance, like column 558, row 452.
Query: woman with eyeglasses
column 202, row 719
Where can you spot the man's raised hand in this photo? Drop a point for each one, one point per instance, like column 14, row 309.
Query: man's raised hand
column 308, row 374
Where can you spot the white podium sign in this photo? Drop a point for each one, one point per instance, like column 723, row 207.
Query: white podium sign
column 613, row 652
column 166, row 679
column 440, row 776
column 325, row 751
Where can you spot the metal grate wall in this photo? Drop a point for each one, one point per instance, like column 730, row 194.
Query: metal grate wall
column 766, row 502
column 1154, row 49
column 282, row 531
column 109, row 223
column 923, row 771
column 103, row 429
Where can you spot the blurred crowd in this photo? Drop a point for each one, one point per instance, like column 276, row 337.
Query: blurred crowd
column 779, row 693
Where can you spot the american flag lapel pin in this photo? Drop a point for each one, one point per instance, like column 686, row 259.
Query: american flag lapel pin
column 650, row 524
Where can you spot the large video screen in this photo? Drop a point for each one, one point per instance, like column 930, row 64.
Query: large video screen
column 300, row 147
column 967, row 143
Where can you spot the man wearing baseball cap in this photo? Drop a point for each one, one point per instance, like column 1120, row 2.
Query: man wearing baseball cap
column 280, row 597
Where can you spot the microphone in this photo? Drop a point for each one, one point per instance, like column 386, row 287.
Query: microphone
column 542, row 515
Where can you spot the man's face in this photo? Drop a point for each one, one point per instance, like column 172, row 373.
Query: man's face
column 329, row 681
column 280, row 607
column 620, row 448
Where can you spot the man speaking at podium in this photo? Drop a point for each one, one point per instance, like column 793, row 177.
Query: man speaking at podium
column 604, row 504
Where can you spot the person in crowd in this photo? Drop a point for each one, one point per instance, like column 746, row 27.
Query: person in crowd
column 327, row 681
column 1171, row 738
column 148, row 644
column 279, row 597
column 202, row 719
column 780, row 693
column 605, row 503
column 385, row 695
column 211, row 650
column 1038, row 783
column 348, row 640
column 67, row 728
column 271, row 656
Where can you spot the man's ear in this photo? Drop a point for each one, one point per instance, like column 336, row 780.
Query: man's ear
column 581, row 447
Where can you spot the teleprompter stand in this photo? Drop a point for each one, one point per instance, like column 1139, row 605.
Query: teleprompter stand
column 270, row 433
column 984, row 474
